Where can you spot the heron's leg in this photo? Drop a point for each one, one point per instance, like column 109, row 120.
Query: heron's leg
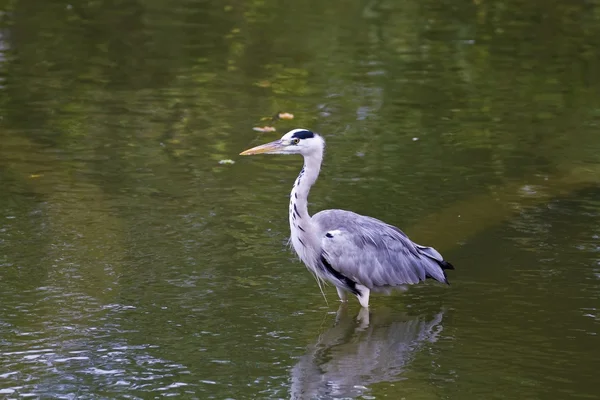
column 363, row 319
column 341, row 312
column 343, row 294
column 363, row 297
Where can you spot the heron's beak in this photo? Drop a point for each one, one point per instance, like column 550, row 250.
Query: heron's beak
column 272, row 147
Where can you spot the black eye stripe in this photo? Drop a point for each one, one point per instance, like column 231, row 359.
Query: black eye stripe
column 303, row 134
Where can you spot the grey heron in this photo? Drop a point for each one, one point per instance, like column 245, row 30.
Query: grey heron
column 356, row 253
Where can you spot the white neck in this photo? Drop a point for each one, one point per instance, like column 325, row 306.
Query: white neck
column 303, row 233
column 307, row 177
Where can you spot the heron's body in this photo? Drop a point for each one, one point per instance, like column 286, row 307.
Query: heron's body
column 356, row 253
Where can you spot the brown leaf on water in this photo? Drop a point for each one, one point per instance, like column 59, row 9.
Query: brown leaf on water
column 264, row 129
column 263, row 84
column 284, row 115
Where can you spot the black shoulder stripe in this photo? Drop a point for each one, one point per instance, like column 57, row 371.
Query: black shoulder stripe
column 350, row 284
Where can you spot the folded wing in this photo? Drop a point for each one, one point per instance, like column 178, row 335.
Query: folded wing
column 375, row 254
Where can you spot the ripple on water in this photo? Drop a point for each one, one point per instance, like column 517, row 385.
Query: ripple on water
column 72, row 358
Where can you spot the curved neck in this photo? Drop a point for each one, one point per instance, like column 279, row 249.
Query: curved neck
column 301, row 188
column 304, row 235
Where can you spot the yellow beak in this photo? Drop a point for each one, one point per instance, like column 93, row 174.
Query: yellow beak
column 263, row 148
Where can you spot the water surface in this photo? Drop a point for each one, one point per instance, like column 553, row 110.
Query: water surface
column 134, row 265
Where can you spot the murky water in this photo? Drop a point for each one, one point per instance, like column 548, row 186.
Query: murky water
column 134, row 265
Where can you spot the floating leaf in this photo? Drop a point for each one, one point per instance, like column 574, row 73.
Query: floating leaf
column 264, row 129
column 263, row 84
column 276, row 117
column 227, row 162
column 284, row 115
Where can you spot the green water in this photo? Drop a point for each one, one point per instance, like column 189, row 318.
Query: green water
column 134, row 265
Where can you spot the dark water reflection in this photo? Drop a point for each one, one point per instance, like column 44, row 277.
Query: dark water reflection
column 357, row 353
column 133, row 264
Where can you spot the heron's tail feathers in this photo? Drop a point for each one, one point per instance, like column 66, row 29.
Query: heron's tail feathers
column 437, row 270
column 433, row 271
column 445, row 265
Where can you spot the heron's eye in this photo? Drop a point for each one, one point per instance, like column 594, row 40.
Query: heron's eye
column 295, row 141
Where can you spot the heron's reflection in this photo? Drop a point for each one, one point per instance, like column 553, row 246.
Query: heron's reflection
column 360, row 351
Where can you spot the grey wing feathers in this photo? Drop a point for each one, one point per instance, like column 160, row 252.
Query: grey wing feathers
column 375, row 254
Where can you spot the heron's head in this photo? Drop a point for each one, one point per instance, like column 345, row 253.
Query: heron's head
column 296, row 141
